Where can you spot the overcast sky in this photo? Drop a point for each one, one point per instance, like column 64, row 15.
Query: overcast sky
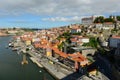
column 52, row 13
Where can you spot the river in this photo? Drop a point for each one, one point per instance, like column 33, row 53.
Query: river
column 11, row 68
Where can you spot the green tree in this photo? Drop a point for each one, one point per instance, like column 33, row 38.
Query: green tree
column 99, row 19
column 27, row 49
column 79, row 33
column 109, row 20
column 92, row 42
column 118, row 18
column 66, row 35
column 60, row 46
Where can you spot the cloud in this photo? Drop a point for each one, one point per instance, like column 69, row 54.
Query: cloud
column 66, row 19
column 58, row 7
column 63, row 19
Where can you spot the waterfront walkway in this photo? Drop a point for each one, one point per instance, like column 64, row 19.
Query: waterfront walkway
column 57, row 71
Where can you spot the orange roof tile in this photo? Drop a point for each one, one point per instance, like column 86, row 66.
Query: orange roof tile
column 59, row 52
column 116, row 37
column 108, row 23
column 77, row 57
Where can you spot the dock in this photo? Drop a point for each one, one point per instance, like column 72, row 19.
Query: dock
column 35, row 61
column 51, row 68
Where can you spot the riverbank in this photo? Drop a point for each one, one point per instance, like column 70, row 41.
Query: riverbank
column 11, row 68
column 56, row 69
column 51, row 68
column 35, row 61
column 3, row 34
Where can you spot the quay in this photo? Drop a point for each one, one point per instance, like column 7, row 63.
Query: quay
column 57, row 70
column 35, row 61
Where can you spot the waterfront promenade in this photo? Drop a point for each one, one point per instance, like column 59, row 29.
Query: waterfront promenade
column 58, row 70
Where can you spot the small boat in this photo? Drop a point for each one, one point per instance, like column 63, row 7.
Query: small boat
column 10, row 45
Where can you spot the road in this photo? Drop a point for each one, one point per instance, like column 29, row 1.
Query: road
column 104, row 66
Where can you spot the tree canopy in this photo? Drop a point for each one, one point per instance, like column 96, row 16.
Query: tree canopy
column 118, row 18
column 99, row 19
column 108, row 20
column 92, row 42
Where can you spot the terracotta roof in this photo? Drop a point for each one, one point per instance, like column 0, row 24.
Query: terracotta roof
column 77, row 57
column 98, row 23
column 73, row 40
column 116, row 37
column 59, row 52
column 26, row 38
column 108, row 23
column 36, row 45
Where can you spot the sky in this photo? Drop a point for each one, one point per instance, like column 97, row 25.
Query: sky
column 52, row 13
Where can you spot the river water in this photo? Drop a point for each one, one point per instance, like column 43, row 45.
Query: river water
column 11, row 68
